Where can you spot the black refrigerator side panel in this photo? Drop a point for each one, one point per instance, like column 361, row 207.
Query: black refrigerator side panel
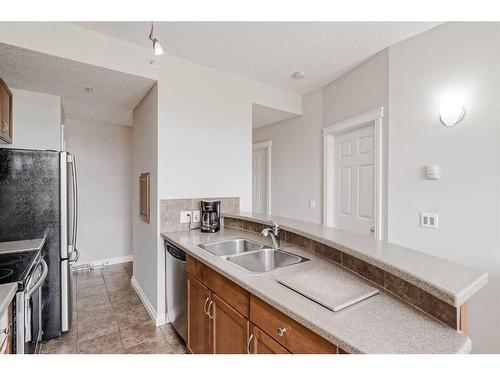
column 30, row 208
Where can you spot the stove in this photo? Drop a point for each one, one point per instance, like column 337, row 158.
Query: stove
column 29, row 271
column 15, row 266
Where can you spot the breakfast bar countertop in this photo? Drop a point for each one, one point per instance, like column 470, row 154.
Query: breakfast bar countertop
column 449, row 281
column 380, row 324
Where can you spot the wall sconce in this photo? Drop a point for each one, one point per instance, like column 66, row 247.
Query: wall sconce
column 451, row 110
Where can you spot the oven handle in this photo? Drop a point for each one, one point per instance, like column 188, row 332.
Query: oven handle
column 40, row 281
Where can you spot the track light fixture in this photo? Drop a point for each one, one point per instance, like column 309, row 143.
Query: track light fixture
column 156, row 44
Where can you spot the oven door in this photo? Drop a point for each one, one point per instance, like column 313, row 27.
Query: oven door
column 33, row 309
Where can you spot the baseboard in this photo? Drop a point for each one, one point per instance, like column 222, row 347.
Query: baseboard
column 158, row 319
column 106, row 262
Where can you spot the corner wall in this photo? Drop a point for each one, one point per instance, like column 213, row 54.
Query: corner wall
column 145, row 236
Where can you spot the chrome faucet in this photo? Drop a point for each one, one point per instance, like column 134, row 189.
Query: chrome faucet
column 274, row 233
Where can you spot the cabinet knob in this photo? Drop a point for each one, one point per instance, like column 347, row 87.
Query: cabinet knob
column 281, row 331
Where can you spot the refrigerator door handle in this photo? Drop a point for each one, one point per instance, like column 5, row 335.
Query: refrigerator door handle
column 74, row 200
column 65, row 244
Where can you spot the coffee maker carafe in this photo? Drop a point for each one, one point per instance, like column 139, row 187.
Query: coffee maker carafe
column 210, row 216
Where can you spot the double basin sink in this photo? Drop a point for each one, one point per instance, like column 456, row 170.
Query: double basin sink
column 252, row 256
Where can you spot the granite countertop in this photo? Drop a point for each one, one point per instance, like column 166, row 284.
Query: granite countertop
column 379, row 324
column 24, row 245
column 451, row 282
column 7, row 293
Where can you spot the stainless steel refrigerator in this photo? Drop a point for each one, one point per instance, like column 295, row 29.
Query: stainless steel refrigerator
column 39, row 198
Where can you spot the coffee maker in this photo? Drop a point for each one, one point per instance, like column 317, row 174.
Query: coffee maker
column 210, row 216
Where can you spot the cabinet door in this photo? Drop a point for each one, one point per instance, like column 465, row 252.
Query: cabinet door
column 5, row 113
column 199, row 324
column 260, row 343
column 230, row 328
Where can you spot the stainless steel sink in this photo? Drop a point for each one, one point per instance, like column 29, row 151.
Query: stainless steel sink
column 264, row 260
column 231, row 247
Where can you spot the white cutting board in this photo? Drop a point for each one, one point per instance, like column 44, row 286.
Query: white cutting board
column 330, row 286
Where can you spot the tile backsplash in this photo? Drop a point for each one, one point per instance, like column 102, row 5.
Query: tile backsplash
column 171, row 209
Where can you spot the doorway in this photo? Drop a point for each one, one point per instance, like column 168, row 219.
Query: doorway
column 353, row 174
column 261, row 178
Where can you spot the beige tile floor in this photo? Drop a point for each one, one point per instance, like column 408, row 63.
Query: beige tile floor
column 109, row 318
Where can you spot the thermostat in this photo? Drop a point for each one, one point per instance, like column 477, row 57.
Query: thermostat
column 432, row 172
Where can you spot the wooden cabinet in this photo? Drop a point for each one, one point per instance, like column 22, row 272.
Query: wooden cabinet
column 6, row 322
column 230, row 328
column 213, row 325
column 199, row 323
column 260, row 343
column 5, row 113
column 224, row 318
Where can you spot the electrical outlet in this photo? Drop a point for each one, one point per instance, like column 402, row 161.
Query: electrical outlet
column 185, row 216
column 196, row 216
column 312, row 204
column 429, row 220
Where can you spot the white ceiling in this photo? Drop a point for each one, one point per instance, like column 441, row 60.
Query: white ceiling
column 270, row 51
column 112, row 100
column 263, row 115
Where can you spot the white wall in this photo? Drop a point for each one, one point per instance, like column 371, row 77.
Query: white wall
column 104, row 163
column 36, row 120
column 297, row 146
column 464, row 57
column 145, row 235
column 360, row 90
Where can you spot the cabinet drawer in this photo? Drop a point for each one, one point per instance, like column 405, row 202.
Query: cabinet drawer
column 230, row 292
column 286, row 331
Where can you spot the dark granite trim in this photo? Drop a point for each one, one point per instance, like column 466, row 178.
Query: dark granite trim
column 232, row 223
column 411, row 294
column 372, row 273
column 431, row 305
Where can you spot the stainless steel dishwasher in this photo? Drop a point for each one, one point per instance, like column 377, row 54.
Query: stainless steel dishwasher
column 176, row 288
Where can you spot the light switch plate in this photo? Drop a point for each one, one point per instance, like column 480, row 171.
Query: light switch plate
column 185, row 216
column 429, row 220
column 312, row 204
column 196, row 216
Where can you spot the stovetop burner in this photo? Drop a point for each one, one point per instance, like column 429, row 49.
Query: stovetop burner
column 14, row 266
column 5, row 272
column 14, row 258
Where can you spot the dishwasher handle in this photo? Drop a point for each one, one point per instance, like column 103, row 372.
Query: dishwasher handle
column 175, row 252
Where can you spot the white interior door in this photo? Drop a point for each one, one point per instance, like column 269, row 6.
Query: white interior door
column 259, row 181
column 354, row 180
